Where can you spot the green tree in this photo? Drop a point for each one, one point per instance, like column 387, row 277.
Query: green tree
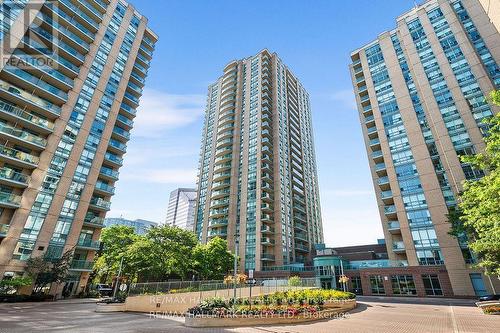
column 11, row 286
column 163, row 252
column 212, row 261
column 478, row 214
column 116, row 241
column 45, row 271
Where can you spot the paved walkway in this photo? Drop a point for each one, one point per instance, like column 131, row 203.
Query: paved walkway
column 374, row 314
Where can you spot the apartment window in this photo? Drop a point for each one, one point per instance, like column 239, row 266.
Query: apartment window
column 403, row 285
column 377, row 285
column 432, row 285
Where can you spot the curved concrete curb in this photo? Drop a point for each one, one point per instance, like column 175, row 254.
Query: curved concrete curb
column 250, row 320
column 110, row 308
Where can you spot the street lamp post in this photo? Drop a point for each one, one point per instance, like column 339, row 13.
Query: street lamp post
column 236, row 242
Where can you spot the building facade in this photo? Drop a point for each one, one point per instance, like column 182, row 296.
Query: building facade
column 420, row 91
column 257, row 182
column 140, row 226
column 181, row 208
column 71, row 77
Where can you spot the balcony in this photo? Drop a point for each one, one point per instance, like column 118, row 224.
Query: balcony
column 88, row 244
column 31, row 82
column 109, row 173
column 127, row 108
column 267, row 241
column 301, row 236
column 29, row 120
column 97, row 222
column 50, row 75
column 386, row 196
column 390, row 210
column 117, row 147
column 301, row 247
column 217, row 222
column 4, row 229
column 375, row 143
column 100, row 204
column 265, row 229
column 104, row 188
column 132, row 98
column 20, row 136
column 125, row 121
column 380, row 168
column 398, row 247
column 370, row 120
column 11, row 177
column 80, row 14
column 372, row 131
column 67, row 50
column 217, row 233
column 9, row 200
column 266, row 207
column 18, row 157
column 113, row 159
column 360, row 79
column 367, row 109
column 394, row 227
column 81, row 266
column 364, row 98
column 266, row 218
column 267, row 257
column 377, row 155
column 121, row 134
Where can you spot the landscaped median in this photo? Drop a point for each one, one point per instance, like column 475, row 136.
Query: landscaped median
column 277, row 308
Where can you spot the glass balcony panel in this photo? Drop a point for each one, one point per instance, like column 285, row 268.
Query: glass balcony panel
column 20, row 113
column 23, row 135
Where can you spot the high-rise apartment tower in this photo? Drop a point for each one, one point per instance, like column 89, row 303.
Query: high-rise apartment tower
column 181, row 210
column 257, row 176
column 71, row 76
column 420, row 90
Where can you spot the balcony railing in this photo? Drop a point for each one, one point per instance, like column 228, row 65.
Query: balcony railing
column 11, row 174
column 386, row 194
column 113, row 158
column 398, row 246
column 94, row 220
column 82, row 265
column 4, row 229
column 121, row 132
column 100, row 202
column 18, row 155
column 22, row 114
column 10, row 199
column 23, row 135
column 109, row 172
column 393, row 225
column 42, row 103
column 88, row 243
column 389, row 209
column 105, row 187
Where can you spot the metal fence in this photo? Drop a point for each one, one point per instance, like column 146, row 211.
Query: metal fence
column 217, row 288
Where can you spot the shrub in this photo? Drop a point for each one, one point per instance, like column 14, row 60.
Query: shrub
column 489, row 309
column 294, row 281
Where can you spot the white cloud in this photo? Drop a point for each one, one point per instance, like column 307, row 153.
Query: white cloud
column 163, row 176
column 160, row 111
column 345, row 97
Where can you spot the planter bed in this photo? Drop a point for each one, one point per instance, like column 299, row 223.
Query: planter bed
column 330, row 310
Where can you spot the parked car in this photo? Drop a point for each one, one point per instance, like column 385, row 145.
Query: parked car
column 104, row 289
column 489, row 298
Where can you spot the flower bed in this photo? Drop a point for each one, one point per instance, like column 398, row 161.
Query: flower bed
column 491, row 309
column 289, row 303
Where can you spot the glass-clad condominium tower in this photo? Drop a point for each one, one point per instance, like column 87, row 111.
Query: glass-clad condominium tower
column 71, row 76
column 420, row 90
column 257, row 173
column 181, row 208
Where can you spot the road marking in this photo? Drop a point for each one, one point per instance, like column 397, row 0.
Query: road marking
column 453, row 320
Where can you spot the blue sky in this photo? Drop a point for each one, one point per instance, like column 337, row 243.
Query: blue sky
column 197, row 39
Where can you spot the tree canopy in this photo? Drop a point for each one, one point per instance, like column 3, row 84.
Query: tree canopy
column 478, row 214
column 163, row 252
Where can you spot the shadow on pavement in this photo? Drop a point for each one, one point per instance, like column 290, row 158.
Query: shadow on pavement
column 418, row 300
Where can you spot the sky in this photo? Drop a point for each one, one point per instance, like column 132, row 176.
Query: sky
column 197, row 38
